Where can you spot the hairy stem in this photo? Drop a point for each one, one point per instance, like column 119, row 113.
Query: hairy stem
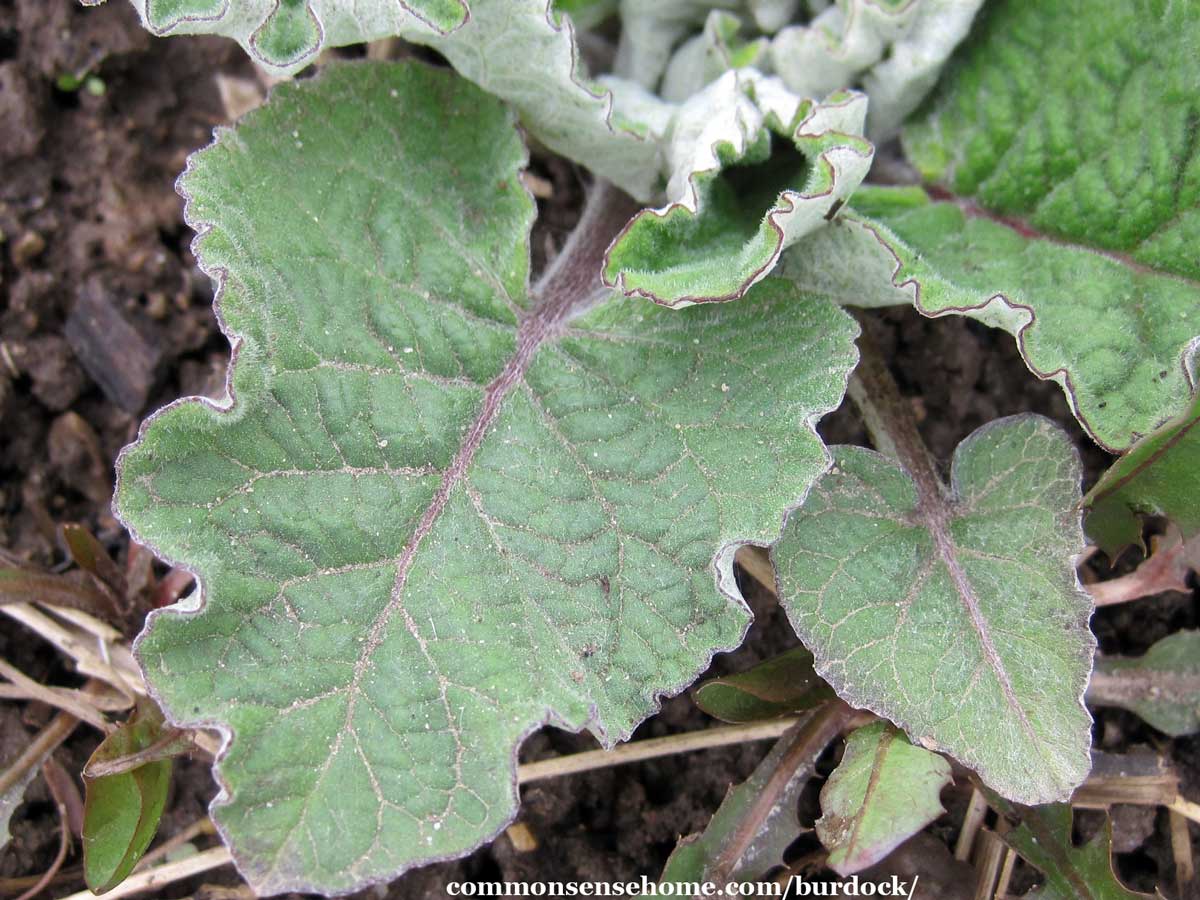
column 804, row 744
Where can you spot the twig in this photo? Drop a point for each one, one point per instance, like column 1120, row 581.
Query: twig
column 650, row 749
column 976, row 811
column 38, row 749
column 1185, row 808
column 1164, row 570
column 200, row 827
column 64, row 840
column 1181, row 849
column 161, row 876
column 28, row 689
column 805, row 744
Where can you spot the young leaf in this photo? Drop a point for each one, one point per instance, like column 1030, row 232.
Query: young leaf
column 121, row 812
column 955, row 613
column 883, row 792
column 1072, row 873
column 439, row 512
column 894, row 50
column 713, row 240
column 1163, row 686
column 778, row 687
column 750, row 831
column 1159, row 476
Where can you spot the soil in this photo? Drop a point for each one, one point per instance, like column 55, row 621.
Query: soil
column 104, row 317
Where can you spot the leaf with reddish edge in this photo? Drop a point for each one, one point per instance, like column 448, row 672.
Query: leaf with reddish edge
column 1063, row 205
column 954, row 610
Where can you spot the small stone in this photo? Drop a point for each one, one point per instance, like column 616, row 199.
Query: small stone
column 27, row 248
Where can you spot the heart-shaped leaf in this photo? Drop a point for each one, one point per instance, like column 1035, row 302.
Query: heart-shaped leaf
column 955, row 612
column 439, row 511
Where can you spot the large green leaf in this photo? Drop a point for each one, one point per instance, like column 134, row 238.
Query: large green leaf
column 1159, row 476
column 955, row 612
column 439, row 510
column 883, row 792
column 1060, row 147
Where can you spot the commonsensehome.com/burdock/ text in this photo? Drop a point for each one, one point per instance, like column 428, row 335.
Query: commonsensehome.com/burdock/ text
column 796, row 886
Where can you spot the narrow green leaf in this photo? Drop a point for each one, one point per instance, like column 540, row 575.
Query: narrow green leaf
column 1159, row 476
column 439, row 510
column 955, row 612
column 1072, row 873
column 1163, row 686
column 777, row 687
column 121, row 812
column 883, row 792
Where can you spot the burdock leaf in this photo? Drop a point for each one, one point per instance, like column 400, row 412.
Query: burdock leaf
column 1072, row 873
column 753, row 170
column 883, row 792
column 1162, row 686
column 955, row 612
column 1159, row 476
column 440, row 510
column 1064, row 205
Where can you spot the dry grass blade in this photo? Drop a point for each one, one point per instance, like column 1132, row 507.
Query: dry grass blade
column 160, row 876
column 74, row 702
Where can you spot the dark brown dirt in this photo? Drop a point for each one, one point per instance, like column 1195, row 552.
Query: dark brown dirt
column 103, row 317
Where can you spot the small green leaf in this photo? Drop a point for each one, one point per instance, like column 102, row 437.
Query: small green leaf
column 955, row 612
column 121, row 812
column 737, row 200
column 1163, row 686
column 1159, row 476
column 1072, row 873
column 778, row 687
column 883, row 792
column 439, row 509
